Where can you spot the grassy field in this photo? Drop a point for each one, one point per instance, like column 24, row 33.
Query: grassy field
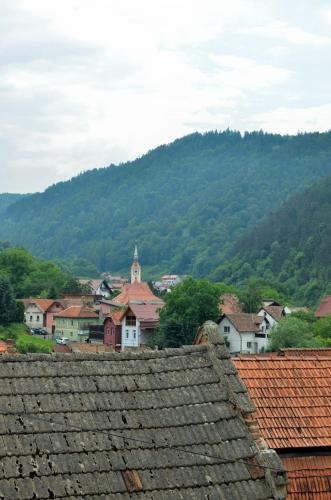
column 25, row 342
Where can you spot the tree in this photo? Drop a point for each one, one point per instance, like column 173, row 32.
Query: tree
column 291, row 332
column 252, row 296
column 187, row 307
column 8, row 308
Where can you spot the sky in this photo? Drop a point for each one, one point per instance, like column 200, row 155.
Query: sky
column 89, row 83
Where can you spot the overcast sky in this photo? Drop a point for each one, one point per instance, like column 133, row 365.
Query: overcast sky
column 86, row 83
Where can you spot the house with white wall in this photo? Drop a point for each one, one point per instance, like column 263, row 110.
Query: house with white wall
column 244, row 332
column 138, row 323
column 272, row 315
column 39, row 313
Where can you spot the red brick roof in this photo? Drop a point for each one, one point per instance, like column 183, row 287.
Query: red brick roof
column 324, row 308
column 116, row 316
column 309, row 477
column 136, row 292
column 245, row 322
column 77, row 312
column 292, row 396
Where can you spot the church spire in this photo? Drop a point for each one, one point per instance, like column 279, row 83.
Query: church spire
column 135, row 268
column 135, row 255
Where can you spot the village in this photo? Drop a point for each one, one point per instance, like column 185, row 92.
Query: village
column 219, row 417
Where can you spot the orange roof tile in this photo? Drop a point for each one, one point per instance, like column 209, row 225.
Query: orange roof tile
column 309, row 477
column 305, row 351
column 77, row 312
column 230, row 304
column 292, row 396
column 136, row 292
column 44, row 304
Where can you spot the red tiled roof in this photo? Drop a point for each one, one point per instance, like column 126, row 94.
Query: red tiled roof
column 77, row 312
column 309, row 477
column 275, row 311
column 136, row 292
column 324, row 308
column 230, row 304
column 245, row 322
column 116, row 316
column 292, row 396
column 146, row 313
column 44, row 304
column 305, row 351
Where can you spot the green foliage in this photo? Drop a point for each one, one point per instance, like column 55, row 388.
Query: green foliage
column 28, row 343
column 29, row 276
column 291, row 248
column 23, row 341
column 187, row 307
column 292, row 332
column 251, row 297
column 186, row 203
column 8, row 307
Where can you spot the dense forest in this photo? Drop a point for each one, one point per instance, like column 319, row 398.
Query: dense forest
column 291, row 249
column 185, row 203
column 7, row 199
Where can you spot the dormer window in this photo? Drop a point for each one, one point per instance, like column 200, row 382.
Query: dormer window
column 131, row 321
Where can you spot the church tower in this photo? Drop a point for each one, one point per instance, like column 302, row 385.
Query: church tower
column 135, row 268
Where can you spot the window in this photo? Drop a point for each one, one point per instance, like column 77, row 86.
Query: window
column 37, row 318
column 112, row 331
column 126, row 334
column 30, row 318
column 134, row 334
column 226, row 329
column 131, row 321
column 72, row 322
column 249, row 345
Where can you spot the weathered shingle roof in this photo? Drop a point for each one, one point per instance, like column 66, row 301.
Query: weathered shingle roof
column 129, row 425
column 292, row 396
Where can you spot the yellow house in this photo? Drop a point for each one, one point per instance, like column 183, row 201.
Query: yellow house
column 74, row 322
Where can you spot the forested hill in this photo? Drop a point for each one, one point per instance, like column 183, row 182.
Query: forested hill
column 291, row 248
column 7, row 199
column 185, row 203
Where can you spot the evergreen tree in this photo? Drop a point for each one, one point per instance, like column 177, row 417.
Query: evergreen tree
column 8, row 308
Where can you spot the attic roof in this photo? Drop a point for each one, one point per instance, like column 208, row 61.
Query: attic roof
column 245, row 322
column 276, row 312
column 77, row 312
column 154, row 425
column 292, row 396
column 43, row 304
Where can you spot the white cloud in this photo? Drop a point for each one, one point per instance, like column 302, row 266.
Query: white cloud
column 84, row 83
column 291, row 34
column 293, row 120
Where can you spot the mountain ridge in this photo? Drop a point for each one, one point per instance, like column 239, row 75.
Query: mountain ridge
column 186, row 202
